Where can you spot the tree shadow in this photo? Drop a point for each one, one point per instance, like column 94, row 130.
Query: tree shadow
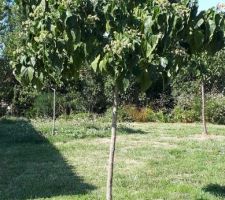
column 122, row 129
column 31, row 167
column 215, row 189
column 129, row 131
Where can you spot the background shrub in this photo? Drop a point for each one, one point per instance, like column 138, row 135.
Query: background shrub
column 215, row 109
column 2, row 111
column 186, row 116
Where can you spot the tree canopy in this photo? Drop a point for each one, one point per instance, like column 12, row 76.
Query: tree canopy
column 118, row 38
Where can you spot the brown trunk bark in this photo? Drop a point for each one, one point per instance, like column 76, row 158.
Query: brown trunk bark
column 205, row 132
column 53, row 117
column 112, row 146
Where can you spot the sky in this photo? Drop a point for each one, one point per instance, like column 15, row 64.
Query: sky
column 205, row 4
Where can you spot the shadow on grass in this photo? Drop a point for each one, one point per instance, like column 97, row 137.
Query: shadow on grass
column 105, row 131
column 215, row 189
column 128, row 131
column 31, row 167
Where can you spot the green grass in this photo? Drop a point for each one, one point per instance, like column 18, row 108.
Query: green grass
column 153, row 161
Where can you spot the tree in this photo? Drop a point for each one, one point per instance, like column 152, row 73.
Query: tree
column 205, row 39
column 139, row 42
column 10, row 24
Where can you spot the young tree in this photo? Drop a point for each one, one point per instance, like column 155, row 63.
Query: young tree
column 139, row 41
column 205, row 38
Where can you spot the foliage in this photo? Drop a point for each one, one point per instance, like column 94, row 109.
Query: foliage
column 56, row 44
column 7, row 82
column 215, row 109
column 137, row 42
column 23, row 99
column 188, row 109
column 10, row 27
column 42, row 105
column 92, row 92
column 134, row 113
column 184, row 115
column 3, row 111
column 130, row 40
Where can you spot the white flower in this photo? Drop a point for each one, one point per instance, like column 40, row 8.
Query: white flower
column 106, row 35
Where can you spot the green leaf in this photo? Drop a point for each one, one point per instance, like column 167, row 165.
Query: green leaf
column 152, row 43
column 30, row 73
column 23, row 59
column 199, row 23
column 145, row 80
column 198, row 40
column 33, row 61
column 68, row 13
column 41, row 77
column 126, row 83
column 212, row 27
column 163, row 62
column 148, row 25
column 95, row 63
column 23, row 70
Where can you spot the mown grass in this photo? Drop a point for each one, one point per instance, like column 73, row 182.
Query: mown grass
column 153, row 161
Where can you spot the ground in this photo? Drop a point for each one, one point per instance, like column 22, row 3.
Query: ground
column 153, row 161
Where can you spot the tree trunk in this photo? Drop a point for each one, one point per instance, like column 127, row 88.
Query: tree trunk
column 53, row 118
column 112, row 146
column 205, row 132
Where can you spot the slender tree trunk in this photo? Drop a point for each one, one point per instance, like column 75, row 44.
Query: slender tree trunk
column 53, row 118
column 112, row 146
column 205, row 132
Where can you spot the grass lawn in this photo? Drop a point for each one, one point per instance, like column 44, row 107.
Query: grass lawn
column 153, row 161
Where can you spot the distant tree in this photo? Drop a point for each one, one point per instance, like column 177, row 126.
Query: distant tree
column 8, row 25
column 206, row 38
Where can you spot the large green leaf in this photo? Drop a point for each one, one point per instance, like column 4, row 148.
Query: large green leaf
column 95, row 63
column 30, row 73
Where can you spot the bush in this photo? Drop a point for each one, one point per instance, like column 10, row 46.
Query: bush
column 137, row 114
column 152, row 116
column 215, row 109
column 161, row 116
column 186, row 116
column 66, row 104
column 131, row 113
column 188, row 109
column 23, row 100
column 2, row 111
column 42, row 106
column 123, row 115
